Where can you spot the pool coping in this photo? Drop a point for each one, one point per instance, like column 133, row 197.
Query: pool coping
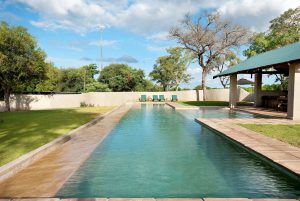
column 9, row 169
column 51, row 198
column 279, row 154
column 7, row 183
column 149, row 199
column 178, row 106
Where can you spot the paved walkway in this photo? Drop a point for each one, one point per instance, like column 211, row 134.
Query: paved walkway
column 151, row 199
column 281, row 153
column 178, row 106
column 262, row 111
column 46, row 176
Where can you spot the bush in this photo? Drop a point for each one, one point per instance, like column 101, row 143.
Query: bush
column 83, row 104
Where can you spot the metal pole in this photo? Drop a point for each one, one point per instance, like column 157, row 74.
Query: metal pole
column 101, row 46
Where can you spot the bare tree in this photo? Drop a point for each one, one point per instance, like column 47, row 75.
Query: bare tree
column 209, row 37
column 223, row 62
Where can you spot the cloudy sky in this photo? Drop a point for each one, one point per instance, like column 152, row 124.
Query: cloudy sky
column 135, row 31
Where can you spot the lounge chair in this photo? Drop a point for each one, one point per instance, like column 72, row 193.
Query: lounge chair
column 174, row 98
column 143, row 98
column 161, row 98
column 154, row 98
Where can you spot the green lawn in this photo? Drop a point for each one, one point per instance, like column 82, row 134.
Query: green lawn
column 285, row 133
column 213, row 103
column 21, row 132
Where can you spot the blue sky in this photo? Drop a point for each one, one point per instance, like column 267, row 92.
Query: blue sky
column 135, row 30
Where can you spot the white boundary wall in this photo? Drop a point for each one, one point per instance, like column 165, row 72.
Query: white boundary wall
column 36, row 102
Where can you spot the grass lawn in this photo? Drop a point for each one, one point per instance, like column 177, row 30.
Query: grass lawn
column 285, row 133
column 21, row 132
column 213, row 103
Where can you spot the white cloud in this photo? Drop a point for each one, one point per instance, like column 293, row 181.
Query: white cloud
column 159, row 36
column 194, row 70
column 155, row 48
column 104, row 42
column 151, row 18
column 255, row 14
column 77, row 49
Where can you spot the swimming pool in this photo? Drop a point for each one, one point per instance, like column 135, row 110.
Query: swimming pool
column 158, row 152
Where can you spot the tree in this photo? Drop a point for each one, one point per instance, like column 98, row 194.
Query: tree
column 283, row 30
column 121, row 77
column 96, row 86
column 223, row 62
column 88, row 73
column 78, row 79
column 207, row 38
column 21, row 61
column 71, row 80
column 171, row 70
column 51, row 83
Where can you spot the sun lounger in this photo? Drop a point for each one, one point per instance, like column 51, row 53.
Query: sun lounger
column 174, row 98
column 143, row 98
column 161, row 98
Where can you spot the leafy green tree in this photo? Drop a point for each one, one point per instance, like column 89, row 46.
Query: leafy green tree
column 51, row 83
column 71, row 80
column 171, row 70
column 283, row 30
column 21, row 61
column 121, row 77
column 96, row 86
column 79, row 79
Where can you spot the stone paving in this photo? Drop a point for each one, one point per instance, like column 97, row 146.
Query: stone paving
column 282, row 154
column 262, row 111
column 47, row 175
column 178, row 106
column 146, row 199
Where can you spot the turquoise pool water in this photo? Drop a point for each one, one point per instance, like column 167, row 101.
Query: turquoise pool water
column 158, row 152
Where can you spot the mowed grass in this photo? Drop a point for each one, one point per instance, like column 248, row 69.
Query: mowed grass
column 22, row 132
column 213, row 103
column 285, row 133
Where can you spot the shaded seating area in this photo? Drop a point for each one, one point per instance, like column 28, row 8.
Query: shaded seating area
column 284, row 61
column 275, row 102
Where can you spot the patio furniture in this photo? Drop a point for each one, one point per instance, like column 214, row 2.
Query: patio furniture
column 282, row 103
column 154, row 98
column 174, row 98
column 161, row 98
column 143, row 98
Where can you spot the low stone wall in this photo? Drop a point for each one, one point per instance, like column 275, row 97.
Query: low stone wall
column 37, row 102
column 117, row 98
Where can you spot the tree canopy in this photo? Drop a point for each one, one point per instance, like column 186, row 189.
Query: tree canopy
column 22, row 62
column 171, row 70
column 223, row 62
column 283, row 30
column 208, row 37
column 121, row 77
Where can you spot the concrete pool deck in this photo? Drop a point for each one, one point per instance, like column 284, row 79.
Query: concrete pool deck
column 146, row 199
column 41, row 180
column 280, row 153
column 45, row 177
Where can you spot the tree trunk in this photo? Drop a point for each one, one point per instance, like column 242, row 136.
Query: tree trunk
column 6, row 99
column 203, row 82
